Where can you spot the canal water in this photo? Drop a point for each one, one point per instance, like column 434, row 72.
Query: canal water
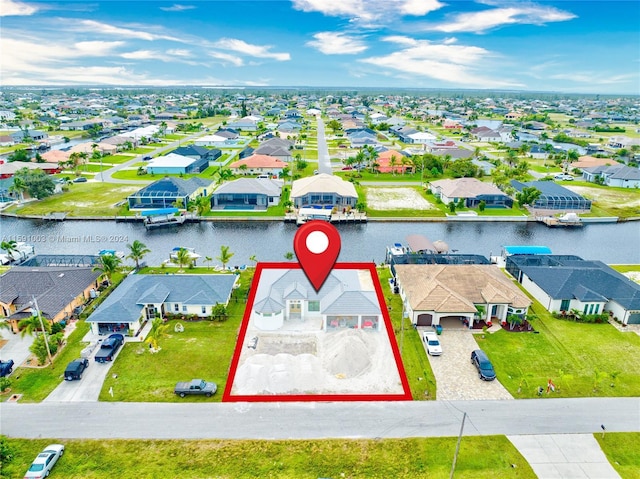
column 270, row 241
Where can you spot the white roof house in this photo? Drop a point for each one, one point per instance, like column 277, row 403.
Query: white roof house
column 323, row 189
column 170, row 160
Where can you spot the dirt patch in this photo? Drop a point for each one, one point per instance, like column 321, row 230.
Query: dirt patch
column 396, row 199
column 633, row 276
column 606, row 197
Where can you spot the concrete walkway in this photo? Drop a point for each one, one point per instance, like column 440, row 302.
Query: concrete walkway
column 565, row 456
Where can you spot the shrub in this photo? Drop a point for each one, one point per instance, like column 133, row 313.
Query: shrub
column 5, row 383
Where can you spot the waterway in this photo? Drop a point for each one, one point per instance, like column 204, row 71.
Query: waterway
column 271, row 240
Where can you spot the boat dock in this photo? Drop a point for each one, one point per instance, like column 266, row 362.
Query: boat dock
column 54, row 216
column 568, row 220
column 335, row 218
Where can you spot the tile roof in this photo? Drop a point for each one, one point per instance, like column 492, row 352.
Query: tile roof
column 323, row 183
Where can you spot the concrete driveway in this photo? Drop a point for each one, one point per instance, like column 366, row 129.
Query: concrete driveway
column 456, row 377
column 86, row 389
column 16, row 348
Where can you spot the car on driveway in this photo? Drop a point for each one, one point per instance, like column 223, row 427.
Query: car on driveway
column 80, row 179
column 44, row 462
column 75, row 369
column 481, row 361
column 432, row 343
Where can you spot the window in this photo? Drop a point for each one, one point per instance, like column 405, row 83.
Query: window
column 586, row 306
column 314, row 306
column 564, row 305
column 204, row 310
column 184, row 308
column 176, row 307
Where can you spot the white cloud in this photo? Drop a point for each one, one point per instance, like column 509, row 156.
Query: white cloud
column 245, row 48
column 227, row 58
column 335, row 43
column 450, row 63
column 177, row 8
column 10, row 8
column 176, row 52
column 92, row 26
column 480, row 22
column 141, row 55
column 367, row 11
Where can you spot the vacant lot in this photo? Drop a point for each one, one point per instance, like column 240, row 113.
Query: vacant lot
column 615, row 201
column 396, row 199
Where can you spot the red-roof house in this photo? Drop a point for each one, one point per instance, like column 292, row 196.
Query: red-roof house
column 258, row 164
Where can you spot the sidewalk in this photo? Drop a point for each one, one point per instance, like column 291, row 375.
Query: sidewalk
column 565, row 456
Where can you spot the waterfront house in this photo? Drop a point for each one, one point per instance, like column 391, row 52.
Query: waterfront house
column 57, row 291
column 140, row 298
column 169, row 191
column 323, row 189
column 288, row 300
column 247, row 194
column 451, row 294
column 567, row 282
column 554, row 197
column 472, row 191
column 614, row 175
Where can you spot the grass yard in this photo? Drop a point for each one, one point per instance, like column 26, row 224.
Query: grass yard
column 583, row 360
column 415, row 361
column 119, row 158
column 237, row 459
column 621, row 448
column 36, row 383
column 133, row 175
column 607, row 200
column 204, row 350
column 83, row 199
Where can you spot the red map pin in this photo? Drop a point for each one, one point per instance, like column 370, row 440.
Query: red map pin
column 317, row 245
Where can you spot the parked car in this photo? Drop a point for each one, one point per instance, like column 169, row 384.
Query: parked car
column 80, row 179
column 44, row 462
column 109, row 347
column 75, row 369
column 146, row 158
column 485, row 369
column 563, row 177
column 433, row 344
column 6, row 367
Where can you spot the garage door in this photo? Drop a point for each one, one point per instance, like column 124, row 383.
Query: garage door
column 634, row 318
column 425, row 319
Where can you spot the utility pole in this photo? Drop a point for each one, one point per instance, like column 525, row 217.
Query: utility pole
column 44, row 332
column 455, row 455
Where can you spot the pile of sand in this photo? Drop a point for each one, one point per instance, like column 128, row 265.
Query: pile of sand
column 350, row 361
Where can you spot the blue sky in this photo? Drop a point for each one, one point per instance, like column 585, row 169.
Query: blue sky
column 584, row 47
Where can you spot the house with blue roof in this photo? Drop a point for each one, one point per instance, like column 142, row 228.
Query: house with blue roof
column 140, row 298
column 285, row 299
column 168, row 191
column 567, row 282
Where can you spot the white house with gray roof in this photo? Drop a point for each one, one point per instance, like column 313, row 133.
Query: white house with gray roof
column 287, row 296
column 140, row 298
column 247, row 194
column 614, row 175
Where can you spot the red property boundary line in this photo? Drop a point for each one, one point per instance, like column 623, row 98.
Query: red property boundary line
column 404, row 396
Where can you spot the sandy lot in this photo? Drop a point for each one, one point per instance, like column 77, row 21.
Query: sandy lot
column 608, row 197
column 396, row 199
column 633, row 276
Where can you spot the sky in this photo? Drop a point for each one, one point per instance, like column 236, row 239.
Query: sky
column 586, row 46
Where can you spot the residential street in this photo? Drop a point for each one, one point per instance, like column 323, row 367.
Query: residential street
column 317, row 420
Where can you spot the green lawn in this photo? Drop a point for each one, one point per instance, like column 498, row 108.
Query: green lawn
column 119, row 158
column 621, row 448
column 133, row 175
column 583, row 360
column 82, row 199
column 414, row 358
column 239, row 459
column 204, row 350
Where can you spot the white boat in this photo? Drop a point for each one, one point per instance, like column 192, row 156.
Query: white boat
column 192, row 255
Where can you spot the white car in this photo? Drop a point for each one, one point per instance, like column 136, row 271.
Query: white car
column 564, row 177
column 42, row 465
column 433, row 344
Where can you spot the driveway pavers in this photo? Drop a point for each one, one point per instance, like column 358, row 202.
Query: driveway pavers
column 456, row 377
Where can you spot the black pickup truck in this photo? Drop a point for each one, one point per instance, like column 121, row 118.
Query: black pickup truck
column 109, row 348
column 6, row 367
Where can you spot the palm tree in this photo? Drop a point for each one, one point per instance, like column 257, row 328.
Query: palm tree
column 393, row 163
column 182, row 257
column 254, row 258
column 511, row 157
column 288, row 255
column 202, row 204
column 137, row 251
column 10, row 247
column 225, row 256
column 31, row 325
column 107, row 265
column 158, row 330
column 208, row 260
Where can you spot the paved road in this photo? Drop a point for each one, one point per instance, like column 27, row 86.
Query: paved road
column 324, row 161
column 317, row 420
